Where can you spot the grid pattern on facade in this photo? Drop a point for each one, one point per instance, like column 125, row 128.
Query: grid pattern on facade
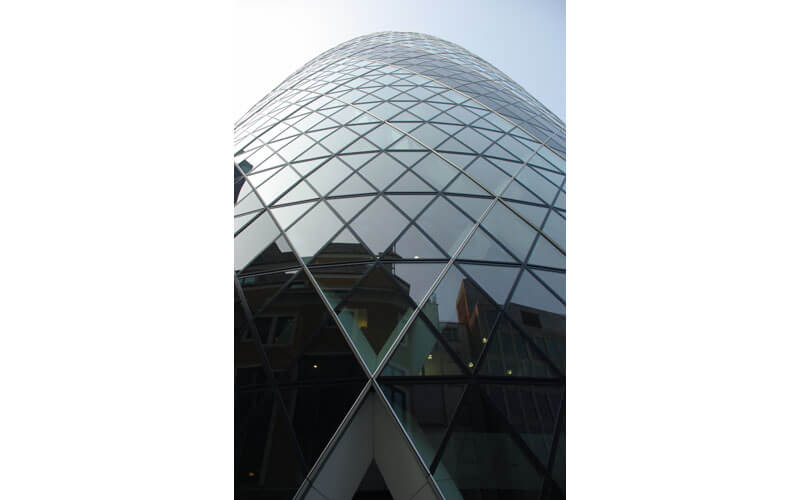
column 400, row 228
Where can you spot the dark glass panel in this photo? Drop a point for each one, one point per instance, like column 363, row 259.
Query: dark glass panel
column 545, row 254
column 425, row 410
column 531, row 410
column 481, row 459
column 266, row 460
column 315, row 412
column 512, row 355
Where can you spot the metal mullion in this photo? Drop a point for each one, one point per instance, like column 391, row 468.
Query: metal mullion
column 323, row 456
column 449, row 430
column 274, row 296
column 270, row 376
column 560, row 423
column 421, row 462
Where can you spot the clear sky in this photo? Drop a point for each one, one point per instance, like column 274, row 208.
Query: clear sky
column 523, row 38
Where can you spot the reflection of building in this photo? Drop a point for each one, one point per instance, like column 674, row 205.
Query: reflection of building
column 399, row 257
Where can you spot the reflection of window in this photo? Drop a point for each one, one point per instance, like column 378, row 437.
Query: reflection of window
column 276, row 330
column 531, row 319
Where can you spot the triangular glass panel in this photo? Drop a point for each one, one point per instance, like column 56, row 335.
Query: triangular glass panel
column 511, row 231
column 336, row 280
column 453, row 145
column 410, row 204
column 445, row 225
column 357, row 160
column 435, row 170
column 316, row 151
column 480, row 458
column 375, row 313
column 276, row 256
column 515, row 191
column 277, row 184
column 556, row 282
column 424, row 111
column 405, row 116
column 534, row 213
column 410, row 183
column 383, row 136
column 348, row 207
column 425, row 410
column 316, row 411
column 465, row 185
column 534, row 181
column 266, row 462
column 429, row 135
column 420, row 353
column 304, row 167
column 545, row 254
column 253, row 239
column 482, row 247
column 406, row 127
column 494, row 280
column 286, row 215
column 384, row 111
column 313, row 230
column 339, row 139
column 462, row 160
column 449, row 129
column 488, row 175
column 531, row 294
column 360, row 146
column 413, row 245
column 408, row 158
column 344, row 247
column 382, row 170
column 555, row 228
column 561, row 201
column 247, row 204
column 532, row 412
column 474, row 207
column 353, row 185
column 301, row 192
column 239, row 222
column 328, row 175
column 510, row 354
column 379, row 224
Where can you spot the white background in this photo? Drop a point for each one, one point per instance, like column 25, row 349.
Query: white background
column 116, row 360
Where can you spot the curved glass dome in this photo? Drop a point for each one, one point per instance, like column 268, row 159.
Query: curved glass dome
column 400, row 280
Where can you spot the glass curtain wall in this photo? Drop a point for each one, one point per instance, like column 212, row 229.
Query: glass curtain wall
column 399, row 230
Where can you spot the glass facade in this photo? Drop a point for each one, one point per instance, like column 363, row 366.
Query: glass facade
column 399, row 231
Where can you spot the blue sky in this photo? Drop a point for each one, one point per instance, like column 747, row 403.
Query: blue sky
column 524, row 39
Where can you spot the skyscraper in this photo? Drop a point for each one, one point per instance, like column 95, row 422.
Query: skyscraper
column 400, row 280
